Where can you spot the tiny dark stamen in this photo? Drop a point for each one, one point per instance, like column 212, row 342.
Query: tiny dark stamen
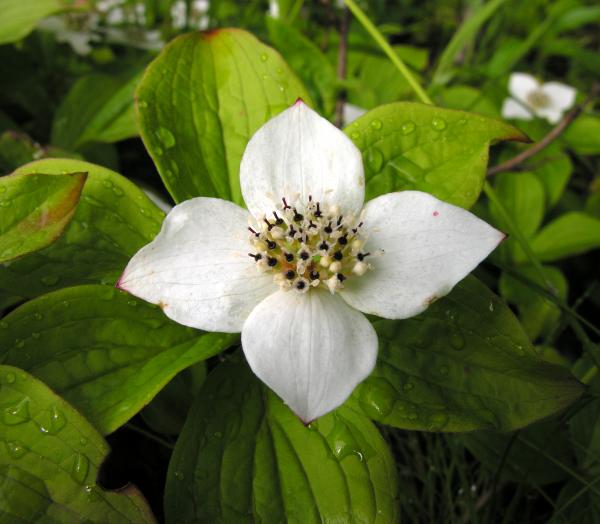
column 290, row 274
column 271, row 244
column 314, row 275
column 271, row 262
column 310, row 198
column 253, row 232
column 339, row 220
column 310, row 224
column 278, row 219
column 298, row 217
column 269, row 225
column 324, row 246
column 318, row 212
column 304, row 255
column 285, row 204
column 256, row 257
column 340, row 277
column 343, row 240
column 338, row 255
column 301, row 284
column 289, row 257
column 328, row 229
column 361, row 256
column 291, row 231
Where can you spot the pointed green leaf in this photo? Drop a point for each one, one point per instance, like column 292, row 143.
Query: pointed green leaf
column 91, row 344
column 464, row 364
column 20, row 18
column 113, row 220
column 202, row 99
column 245, row 457
column 49, row 459
column 440, row 151
column 35, row 210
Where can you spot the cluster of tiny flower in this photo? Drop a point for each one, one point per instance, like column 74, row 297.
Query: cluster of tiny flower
column 318, row 248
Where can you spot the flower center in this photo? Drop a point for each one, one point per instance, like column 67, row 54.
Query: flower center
column 537, row 99
column 321, row 247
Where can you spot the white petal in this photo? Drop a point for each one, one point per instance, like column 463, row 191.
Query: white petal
column 514, row 109
column 428, row 246
column 561, row 95
column 198, row 269
column 552, row 114
column 312, row 349
column 521, row 84
column 299, row 154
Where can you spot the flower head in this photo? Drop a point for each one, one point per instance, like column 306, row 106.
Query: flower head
column 530, row 99
column 296, row 271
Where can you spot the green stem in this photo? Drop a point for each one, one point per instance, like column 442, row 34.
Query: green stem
column 149, row 435
column 388, row 50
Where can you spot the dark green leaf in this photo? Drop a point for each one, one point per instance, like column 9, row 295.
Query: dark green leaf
column 464, row 364
column 440, row 151
column 91, row 344
column 35, row 210
column 245, row 457
column 202, row 99
column 113, row 220
column 583, row 135
column 49, row 460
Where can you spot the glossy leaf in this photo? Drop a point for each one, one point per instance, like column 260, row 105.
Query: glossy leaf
column 91, row 344
column 202, row 99
column 440, row 151
column 98, row 108
column 583, row 135
column 245, row 457
column 464, row 364
column 570, row 234
column 553, row 168
column 112, row 221
column 35, row 210
column 49, row 460
column 19, row 18
column 308, row 61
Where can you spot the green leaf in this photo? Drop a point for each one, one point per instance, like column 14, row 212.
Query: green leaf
column 522, row 463
column 464, row 364
column 537, row 314
column 583, row 135
column 20, row 18
column 202, row 99
column 553, row 168
column 49, row 460
column 307, row 60
column 467, row 98
column 98, row 108
column 245, row 457
column 440, row 151
column 113, row 220
column 570, row 234
column 91, row 345
column 36, row 209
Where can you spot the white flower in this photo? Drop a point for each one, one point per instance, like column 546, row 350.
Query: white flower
column 75, row 30
column 530, row 98
column 296, row 271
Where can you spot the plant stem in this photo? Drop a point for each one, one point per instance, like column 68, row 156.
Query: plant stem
column 388, row 50
column 150, row 436
column 341, row 66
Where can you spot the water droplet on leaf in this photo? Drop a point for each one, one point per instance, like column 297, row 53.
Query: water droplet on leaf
column 49, row 280
column 166, row 137
column 377, row 397
column 374, row 159
column 376, row 124
column 80, row 467
column 15, row 450
column 51, row 421
column 407, row 128
column 16, row 413
column 439, row 124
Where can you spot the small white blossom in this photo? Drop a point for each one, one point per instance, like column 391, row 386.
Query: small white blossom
column 296, row 270
column 75, row 30
column 529, row 99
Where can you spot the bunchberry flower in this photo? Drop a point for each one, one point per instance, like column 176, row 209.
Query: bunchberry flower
column 529, row 99
column 296, row 271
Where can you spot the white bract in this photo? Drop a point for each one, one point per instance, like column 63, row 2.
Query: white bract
column 296, row 271
column 531, row 99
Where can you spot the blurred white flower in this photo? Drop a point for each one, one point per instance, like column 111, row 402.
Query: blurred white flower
column 296, row 270
column 530, row 98
column 274, row 8
column 77, row 32
column 178, row 14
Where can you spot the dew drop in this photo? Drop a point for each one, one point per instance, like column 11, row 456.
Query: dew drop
column 342, row 443
column 9, row 378
column 355, row 135
column 377, row 397
column 132, row 303
column 179, row 475
column 117, row 191
column 407, row 128
column 83, row 441
column 107, row 184
column 16, row 413
column 15, row 450
column 51, row 421
column 3, row 324
column 264, row 57
column 35, row 335
column 38, row 316
column 19, row 343
column 5, row 203
column 142, row 103
column 158, row 151
column 374, row 159
column 376, row 124
column 166, row 137
column 439, row 124
column 457, row 341
column 413, row 416
column 491, row 307
column 437, row 421
column 80, row 467
column 65, row 303
column 49, row 280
